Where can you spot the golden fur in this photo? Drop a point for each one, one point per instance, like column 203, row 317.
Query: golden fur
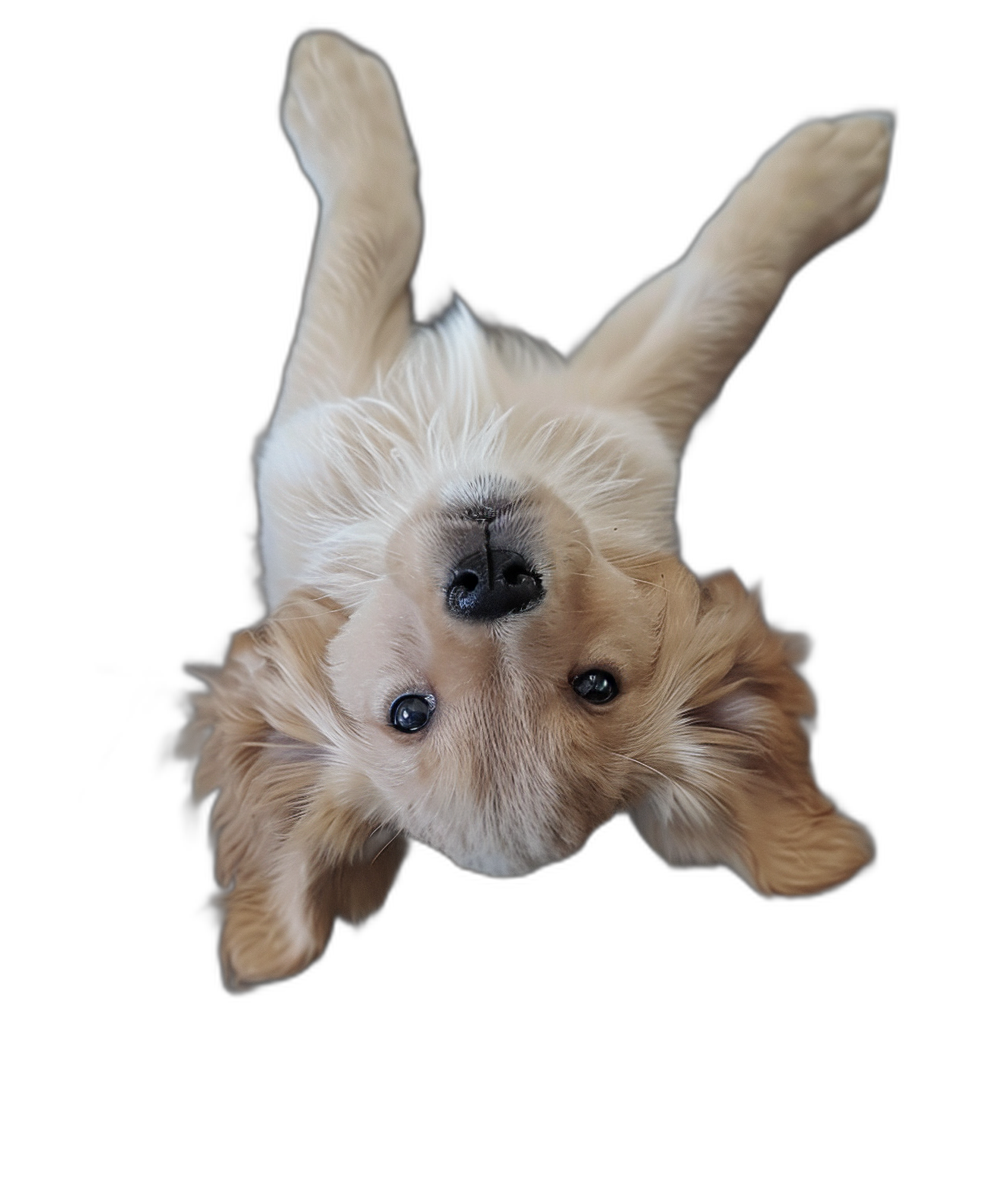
column 389, row 441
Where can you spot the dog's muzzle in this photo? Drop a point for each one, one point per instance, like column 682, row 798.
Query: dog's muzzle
column 496, row 579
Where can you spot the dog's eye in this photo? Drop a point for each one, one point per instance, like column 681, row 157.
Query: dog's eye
column 597, row 686
column 410, row 713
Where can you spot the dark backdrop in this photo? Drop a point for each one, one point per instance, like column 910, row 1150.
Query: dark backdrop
column 559, row 168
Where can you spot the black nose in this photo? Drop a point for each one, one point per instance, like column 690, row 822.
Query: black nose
column 492, row 583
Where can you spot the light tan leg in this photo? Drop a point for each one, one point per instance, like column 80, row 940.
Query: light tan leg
column 670, row 345
column 342, row 114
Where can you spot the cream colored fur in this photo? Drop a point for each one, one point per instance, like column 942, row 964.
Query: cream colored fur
column 386, row 434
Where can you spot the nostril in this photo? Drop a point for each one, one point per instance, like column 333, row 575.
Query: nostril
column 463, row 592
column 517, row 574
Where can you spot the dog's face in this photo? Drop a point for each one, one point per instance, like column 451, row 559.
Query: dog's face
column 501, row 690
column 496, row 677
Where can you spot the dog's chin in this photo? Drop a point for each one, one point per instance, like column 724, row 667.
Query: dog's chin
column 507, row 863
column 524, row 849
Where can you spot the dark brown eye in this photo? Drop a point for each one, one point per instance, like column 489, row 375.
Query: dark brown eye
column 595, row 686
column 410, row 713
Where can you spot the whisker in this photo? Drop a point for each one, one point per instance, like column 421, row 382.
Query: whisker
column 650, row 768
column 311, row 616
column 646, row 583
column 387, row 845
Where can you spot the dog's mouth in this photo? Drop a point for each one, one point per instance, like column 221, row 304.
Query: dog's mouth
column 494, row 541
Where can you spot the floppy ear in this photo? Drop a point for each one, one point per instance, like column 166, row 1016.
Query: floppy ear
column 299, row 837
column 738, row 788
column 670, row 346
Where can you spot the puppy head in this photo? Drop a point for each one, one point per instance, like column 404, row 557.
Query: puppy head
column 518, row 657
column 503, row 740
column 510, row 688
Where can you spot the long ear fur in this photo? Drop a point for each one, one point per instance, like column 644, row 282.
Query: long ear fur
column 738, row 788
column 298, row 840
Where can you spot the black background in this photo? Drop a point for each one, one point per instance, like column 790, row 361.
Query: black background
column 559, row 168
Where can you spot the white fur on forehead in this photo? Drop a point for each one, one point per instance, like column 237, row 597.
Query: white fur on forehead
column 461, row 403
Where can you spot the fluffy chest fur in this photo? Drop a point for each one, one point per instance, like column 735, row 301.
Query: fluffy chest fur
column 339, row 478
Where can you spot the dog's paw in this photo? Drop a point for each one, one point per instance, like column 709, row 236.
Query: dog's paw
column 830, row 174
column 342, row 114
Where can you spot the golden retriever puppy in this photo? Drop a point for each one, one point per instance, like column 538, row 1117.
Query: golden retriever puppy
column 479, row 632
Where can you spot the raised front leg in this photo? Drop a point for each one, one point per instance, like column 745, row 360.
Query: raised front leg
column 670, row 346
column 342, row 114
